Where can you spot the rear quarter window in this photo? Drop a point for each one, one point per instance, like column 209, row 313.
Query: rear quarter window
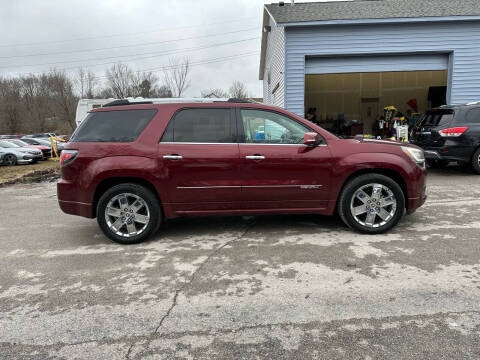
column 113, row 126
column 473, row 116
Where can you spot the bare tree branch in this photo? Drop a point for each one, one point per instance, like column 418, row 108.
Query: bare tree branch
column 175, row 76
column 238, row 90
column 214, row 93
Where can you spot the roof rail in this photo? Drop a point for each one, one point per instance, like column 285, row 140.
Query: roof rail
column 126, row 102
column 140, row 101
column 241, row 101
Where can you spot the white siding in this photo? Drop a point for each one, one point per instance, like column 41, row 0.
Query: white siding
column 275, row 67
column 459, row 39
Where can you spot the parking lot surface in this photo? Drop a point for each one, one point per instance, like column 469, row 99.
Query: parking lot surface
column 276, row 287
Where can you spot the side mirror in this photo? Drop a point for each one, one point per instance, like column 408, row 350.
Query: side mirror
column 311, row 139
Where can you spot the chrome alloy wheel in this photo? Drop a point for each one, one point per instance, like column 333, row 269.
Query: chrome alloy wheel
column 373, row 205
column 127, row 215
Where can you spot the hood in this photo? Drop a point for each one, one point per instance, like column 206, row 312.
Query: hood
column 39, row 147
column 27, row 150
column 386, row 142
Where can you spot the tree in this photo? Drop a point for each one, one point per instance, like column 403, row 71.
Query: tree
column 145, row 88
column 86, row 82
column 214, row 93
column 162, row 92
column 238, row 90
column 10, row 105
column 123, row 82
column 175, row 76
column 120, row 80
column 64, row 99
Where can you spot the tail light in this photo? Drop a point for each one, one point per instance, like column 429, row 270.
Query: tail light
column 453, row 132
column 67, row 156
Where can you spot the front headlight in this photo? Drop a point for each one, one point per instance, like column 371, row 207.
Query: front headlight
column 417, row 156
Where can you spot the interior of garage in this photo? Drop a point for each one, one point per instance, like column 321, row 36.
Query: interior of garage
column 353, row 103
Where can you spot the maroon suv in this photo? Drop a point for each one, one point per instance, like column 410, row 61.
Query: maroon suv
column 134, row 165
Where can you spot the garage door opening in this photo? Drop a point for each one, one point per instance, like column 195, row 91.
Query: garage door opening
column 352, row 103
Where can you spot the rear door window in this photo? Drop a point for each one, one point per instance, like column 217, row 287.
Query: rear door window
column 113, row 126
column 473, row 116
column 201, row 126
column 436, row 119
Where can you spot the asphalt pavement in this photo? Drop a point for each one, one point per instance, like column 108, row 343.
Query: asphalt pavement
column 274, row 287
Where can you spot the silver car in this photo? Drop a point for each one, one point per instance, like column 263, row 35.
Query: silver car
column 13, row 154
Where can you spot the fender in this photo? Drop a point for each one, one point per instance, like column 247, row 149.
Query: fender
column 357, row 162
column 121, row 167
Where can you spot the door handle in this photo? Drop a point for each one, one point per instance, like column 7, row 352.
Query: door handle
column 255, row 157
column 173, row 157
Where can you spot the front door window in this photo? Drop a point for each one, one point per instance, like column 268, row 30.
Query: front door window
column 266, row 127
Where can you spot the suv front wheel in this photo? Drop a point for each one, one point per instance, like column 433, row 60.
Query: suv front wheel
column 371, row 203
column 128, row 213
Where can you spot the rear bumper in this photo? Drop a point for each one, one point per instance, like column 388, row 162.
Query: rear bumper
column 76, row 208
column 70, row 203
column 450, row 153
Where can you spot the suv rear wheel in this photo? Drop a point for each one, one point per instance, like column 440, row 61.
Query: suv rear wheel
column 476, row 161
column 371, row 203
column 128, row 213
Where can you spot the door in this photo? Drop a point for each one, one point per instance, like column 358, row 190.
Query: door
column 199, row 158
column 369, row 114
column 278, row 170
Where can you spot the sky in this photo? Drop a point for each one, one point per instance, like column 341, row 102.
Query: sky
column 221, row 38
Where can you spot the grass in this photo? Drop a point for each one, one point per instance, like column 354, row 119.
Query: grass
column 28, row 173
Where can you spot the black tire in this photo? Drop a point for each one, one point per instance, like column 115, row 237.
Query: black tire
column 476, row 161
column 10, row 160
column 355, row 184
column 147, row 196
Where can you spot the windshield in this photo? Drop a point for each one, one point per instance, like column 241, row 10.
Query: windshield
column 6, row 144
column 37, row 141
column 18, row 142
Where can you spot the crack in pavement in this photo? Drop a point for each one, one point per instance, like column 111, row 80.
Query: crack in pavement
column 127, row 355
column 190, row 280
column 224, row 331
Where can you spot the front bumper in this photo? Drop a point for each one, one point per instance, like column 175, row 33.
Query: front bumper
column 416, row 202
column 31, row 157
